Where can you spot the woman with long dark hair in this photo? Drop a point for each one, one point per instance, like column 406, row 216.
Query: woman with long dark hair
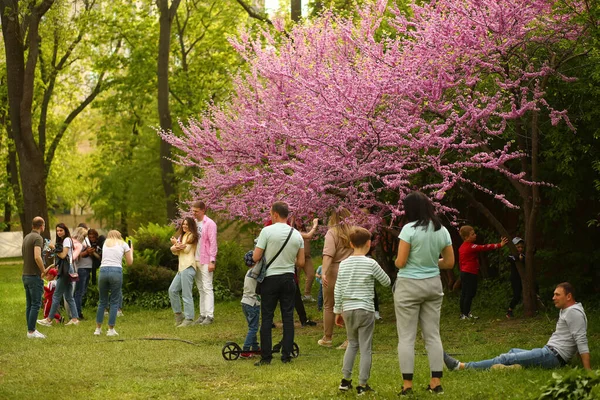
column 418, row 289
column 184, row 246
column 64, row 261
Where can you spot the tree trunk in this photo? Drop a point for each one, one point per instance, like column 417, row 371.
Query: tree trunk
column 296, row 10
column 164, row 46
column 20, row 83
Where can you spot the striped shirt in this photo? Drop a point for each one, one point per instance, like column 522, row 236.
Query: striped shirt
column 355, row 284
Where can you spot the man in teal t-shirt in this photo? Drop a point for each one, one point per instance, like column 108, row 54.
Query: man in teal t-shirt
column 279, row 284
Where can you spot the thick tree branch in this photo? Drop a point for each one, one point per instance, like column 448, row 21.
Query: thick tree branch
column 59, row 135
column 254, row 13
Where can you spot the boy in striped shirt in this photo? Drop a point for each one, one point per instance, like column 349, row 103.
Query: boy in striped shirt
column 353, row 295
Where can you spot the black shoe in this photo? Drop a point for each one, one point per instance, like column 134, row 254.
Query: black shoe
column 436, row 390
column 406, row 392
column 262, row 362
column 345, row 385
column 451, row 363
column 308, row 322
column 360, row 390
column 286, row 360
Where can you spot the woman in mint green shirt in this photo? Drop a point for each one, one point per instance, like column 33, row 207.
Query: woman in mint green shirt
column 418, row 289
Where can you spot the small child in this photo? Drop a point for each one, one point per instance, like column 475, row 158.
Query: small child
column 353, row 295
column 515, row 277
column 320, row 282
column 49, row 288
column 251, row 309
column 468, row 261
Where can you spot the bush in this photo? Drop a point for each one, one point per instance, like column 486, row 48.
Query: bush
column 574, row 384
column 230, row 270
column 147, row 300
column 143, row 277
column 153, row 245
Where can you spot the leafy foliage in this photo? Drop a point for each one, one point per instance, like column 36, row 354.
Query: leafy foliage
column 153, row 246
column 142, row 277
column 575, row 384
column 230, row 267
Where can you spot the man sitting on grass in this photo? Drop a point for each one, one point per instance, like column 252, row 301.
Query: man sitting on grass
column 568, row 338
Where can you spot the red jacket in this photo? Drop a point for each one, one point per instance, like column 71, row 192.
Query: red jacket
column 468, row 255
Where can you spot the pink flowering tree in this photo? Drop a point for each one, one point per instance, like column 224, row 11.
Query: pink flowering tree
column 342, row 113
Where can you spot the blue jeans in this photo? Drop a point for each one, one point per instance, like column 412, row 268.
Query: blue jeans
column 63, row 288
column 183, row 283
column 543, row 358
column 34, row 290
column 110, row 280
column 252, row 314
column 81, row 288
column 282, row 289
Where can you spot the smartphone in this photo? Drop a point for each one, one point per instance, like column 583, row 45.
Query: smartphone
column 129, row 242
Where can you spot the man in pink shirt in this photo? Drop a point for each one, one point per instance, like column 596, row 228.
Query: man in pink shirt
column 206, row 253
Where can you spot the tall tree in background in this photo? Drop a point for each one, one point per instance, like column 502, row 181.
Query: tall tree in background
column 43, row 42
column 166, row 15
column 20, row 29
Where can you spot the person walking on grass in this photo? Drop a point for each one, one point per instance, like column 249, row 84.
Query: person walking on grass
column 206, row 255
column 418, row 289
column 468, row 262
column 354, row 307
column 184, row 247
column 33, row 269
column 283, row 248
column 569, row 337
column 111, row 279
column 64, row 288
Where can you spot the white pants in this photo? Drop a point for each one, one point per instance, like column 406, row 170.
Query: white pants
column 204, row 282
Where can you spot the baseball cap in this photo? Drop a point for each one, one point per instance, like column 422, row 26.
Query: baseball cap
column 516, row 240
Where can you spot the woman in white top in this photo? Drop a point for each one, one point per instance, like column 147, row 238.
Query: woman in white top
column 184, row 246
column 64, row 253
column 83, row 262
column 111, row 279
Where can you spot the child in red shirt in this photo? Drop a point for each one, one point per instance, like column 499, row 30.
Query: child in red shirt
column 468, row 261
column 49, row 288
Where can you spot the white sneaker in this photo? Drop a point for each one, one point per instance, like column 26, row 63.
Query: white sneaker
column 308, row 298
column 73, row 322
column 111, row 332
column 98, row 331
column 119, row 313
column 44, row 322
column 377, row 316
column 36, row 335
column 186, row 322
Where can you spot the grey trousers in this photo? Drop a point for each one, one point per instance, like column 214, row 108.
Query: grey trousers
column 359, row 330
column 418, row 301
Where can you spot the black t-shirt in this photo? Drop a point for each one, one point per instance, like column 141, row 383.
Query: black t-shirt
column 98, row 245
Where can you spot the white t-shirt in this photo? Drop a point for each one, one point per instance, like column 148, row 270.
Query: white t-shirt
column 113, row 256
column 67, row 242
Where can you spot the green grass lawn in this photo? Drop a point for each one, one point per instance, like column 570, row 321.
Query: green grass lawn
column 72, row 363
